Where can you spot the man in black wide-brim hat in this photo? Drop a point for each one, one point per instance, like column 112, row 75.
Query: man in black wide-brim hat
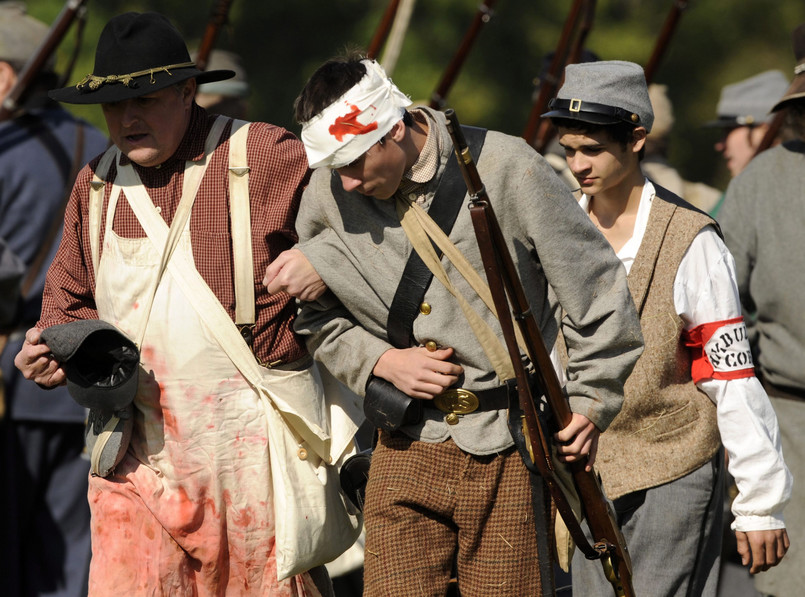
column 166, row 236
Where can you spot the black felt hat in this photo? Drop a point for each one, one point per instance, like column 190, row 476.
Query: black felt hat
column 137, row 53
column 102, row 364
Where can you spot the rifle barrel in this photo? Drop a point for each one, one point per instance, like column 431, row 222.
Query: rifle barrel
column 545, row 130
column 218, row 18
column 482, row 16
column 663, row 41
column 37, row 61
column 383, row 29
column 577, row 25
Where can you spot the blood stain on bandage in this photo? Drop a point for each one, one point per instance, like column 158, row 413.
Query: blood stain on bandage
column 349, row 125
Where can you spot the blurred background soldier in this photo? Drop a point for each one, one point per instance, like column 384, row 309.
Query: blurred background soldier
column 11, row 271
column 744, row 116
column 743, row 113
column 44, row 542
column 228, row 97
column 762, row 219
column 655, row 164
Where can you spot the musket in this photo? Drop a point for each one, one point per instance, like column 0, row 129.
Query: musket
column 663, row 41
column 512, row 305
column 574, row 33
column 382, row 31
column 585, row 26
column 81, row 23
column 545, row 130
column 483, row 15
column 27, row 76
column 218, row 18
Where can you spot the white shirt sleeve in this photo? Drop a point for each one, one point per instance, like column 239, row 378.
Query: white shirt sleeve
column 705, row 291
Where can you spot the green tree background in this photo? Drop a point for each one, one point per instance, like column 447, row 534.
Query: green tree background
column 716, row 42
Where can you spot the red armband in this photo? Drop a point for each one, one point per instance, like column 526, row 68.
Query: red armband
column 720, row 350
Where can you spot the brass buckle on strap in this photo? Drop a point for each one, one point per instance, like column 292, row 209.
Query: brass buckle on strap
column 456, row 401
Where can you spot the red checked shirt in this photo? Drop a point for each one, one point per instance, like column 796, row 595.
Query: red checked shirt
column 277, row 177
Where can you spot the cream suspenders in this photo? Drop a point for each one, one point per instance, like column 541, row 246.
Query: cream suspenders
column 240, row 217
column 240, row 213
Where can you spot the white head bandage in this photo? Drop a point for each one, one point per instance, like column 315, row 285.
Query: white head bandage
column 348, row 127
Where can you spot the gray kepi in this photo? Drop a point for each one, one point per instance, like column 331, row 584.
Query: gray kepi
column 102, row 367
column 604, row 92
column 749, row 102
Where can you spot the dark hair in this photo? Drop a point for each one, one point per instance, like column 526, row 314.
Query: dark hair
column 619, row 132
column 330, row 81
column 795, row 119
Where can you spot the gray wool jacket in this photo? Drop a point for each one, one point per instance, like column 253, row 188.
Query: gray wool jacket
column 763, row 218
column 570, row 274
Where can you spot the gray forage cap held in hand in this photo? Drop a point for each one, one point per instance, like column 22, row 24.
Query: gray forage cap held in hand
column 101, row 363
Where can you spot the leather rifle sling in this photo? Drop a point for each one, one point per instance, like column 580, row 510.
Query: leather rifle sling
column 414, row 282
column 416, row 276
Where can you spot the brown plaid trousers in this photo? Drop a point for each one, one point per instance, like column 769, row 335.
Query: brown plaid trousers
column 430, row 504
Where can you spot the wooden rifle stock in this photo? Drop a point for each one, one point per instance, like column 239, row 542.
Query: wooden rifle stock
column 25, row 79
column 383, row 29
column 664, row 39
column 218, row 18
column 482, row 16
column 538, row 131
column 512, row 305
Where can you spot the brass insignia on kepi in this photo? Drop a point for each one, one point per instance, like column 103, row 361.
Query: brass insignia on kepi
column 456, row 401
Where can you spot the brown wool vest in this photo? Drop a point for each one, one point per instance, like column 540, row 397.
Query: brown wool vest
column 667, row 426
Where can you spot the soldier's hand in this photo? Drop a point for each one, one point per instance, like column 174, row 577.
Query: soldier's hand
column 291, row 272
column 578, row 440
column 760, row 550
column 419, row 372
column 37, row 363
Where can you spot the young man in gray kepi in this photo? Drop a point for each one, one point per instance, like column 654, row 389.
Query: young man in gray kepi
column 693, row 388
